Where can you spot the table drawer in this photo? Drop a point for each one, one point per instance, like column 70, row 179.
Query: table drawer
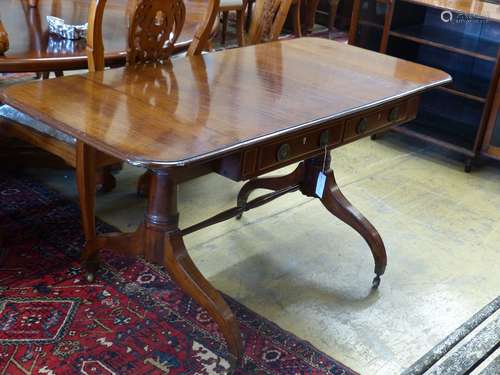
column 379, row 119
column 283, row 152
column 273, row 155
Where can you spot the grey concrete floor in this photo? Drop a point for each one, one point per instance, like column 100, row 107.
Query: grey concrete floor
column 295, row 264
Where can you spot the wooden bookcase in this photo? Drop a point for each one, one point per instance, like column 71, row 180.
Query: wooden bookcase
column 463, row 39
column 491, row 144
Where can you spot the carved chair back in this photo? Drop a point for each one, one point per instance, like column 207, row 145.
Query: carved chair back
column 154, row 28
column 268, row 20
column 4, row 39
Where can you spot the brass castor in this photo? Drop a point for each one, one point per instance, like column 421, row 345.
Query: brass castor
column 376, row 282
column 468, row 165
column 90, row 277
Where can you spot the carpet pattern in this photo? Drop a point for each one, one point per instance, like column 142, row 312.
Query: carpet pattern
column 132, row 320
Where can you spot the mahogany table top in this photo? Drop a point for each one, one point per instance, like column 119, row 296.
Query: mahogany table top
column 33, row 49
column 199, row 108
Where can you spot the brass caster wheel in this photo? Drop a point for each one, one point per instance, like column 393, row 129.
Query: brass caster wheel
column 240, row 215
column 376, row 282
column 468, row 166
column 90, row 277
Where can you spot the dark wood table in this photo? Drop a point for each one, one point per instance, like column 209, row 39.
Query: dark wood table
column 33, row 49
column 240, row 113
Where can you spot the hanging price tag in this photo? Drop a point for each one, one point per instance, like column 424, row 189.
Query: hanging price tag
column 320, row 184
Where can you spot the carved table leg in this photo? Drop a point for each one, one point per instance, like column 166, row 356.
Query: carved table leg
column 143, row 184
column 269, row 183
column 159, row 240
column 164, row 245
column 338, row 205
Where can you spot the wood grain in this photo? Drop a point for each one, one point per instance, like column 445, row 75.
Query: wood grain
column 223, row 99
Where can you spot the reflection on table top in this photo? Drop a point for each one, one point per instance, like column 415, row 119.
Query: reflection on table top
column 32, row 48
column 202, row 107
column 479, row 8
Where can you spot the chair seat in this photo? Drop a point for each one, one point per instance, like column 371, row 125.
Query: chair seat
column 13, row 114
column 233, row 4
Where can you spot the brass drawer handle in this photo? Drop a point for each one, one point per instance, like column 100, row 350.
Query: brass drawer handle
column 324, row 138
column 394, row 114
column 362, row 126
column 283, row 152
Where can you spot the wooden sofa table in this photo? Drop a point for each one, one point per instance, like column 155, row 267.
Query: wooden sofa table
column 240, row 113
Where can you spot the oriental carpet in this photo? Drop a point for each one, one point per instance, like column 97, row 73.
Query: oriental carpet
column 132, row 320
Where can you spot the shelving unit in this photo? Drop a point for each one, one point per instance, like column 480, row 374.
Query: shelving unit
column 467, row 46
column 491, row 144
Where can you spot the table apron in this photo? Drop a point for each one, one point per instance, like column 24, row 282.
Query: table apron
column 253, row 161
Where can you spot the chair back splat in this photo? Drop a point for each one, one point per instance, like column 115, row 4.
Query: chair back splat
column 154, row 28
column 268, row 20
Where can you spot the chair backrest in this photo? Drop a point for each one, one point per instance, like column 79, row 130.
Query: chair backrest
column 268, row 20
column 4, row 39
column 154, row 28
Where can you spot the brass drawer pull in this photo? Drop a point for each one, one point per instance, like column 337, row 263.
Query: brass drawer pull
column 394, row 114
column 362, row 126
column 283, row 152
column 324, row 138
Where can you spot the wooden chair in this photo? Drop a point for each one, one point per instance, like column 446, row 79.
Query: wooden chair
column 237, row 6
column 254, row 15
column 4, row 39
column 268, row 20
column 15, row 124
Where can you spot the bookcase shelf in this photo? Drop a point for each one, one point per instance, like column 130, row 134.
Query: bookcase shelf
column 470, row 45
column 456, row 116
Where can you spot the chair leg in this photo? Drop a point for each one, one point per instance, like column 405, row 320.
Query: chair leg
column 332, row 16
column 86, row 182
column 105, row 179
column 297, row 27
column 312, row 6
column 224, row 27
column 240, row 27
column 249, row 14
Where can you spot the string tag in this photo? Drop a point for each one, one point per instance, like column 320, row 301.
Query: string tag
column 320, row 182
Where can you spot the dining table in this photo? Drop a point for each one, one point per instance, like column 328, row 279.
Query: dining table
column 31, row 48
column 240, row 113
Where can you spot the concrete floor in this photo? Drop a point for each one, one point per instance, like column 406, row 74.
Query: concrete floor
column 295, row 264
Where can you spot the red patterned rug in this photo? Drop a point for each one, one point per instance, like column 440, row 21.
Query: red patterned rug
column 132, row 320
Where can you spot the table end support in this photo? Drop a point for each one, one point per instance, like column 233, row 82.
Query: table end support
column 269, row 183
column 164, row 245
column 335, row 202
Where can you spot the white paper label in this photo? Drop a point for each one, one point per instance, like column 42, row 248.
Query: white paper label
column 320, row 184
